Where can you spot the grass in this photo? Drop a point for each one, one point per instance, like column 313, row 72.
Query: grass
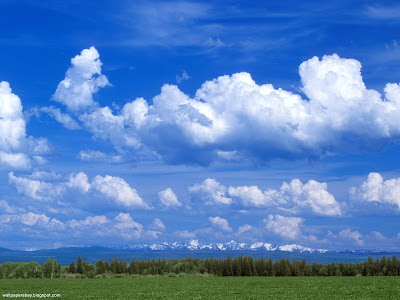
column 210, row 287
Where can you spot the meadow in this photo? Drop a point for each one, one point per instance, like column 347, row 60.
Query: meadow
column 159, row 287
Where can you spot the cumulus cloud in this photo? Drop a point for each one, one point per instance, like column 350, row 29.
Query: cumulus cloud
column 55, row 189
column 89, row 221
column 30, row 219
column 234, row 115
column 41, row 230
column 15, row 146
column 244, row 228
column 66, row 120
column 81, row 81
column 12, row 124
column 286, row 227
column 251, row 195
column 128, row 227
column 312, row 195
column 103, row 124
column 121, row 226
column 377, row 190
column 15, row 160
column 35, row 189
column 168, row 198
column 210, row 191
column 354, row 236
column 294, row 196
column 119, row 190
column 220, row 223
column 79, row 181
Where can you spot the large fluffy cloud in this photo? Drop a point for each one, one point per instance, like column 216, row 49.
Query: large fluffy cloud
column 81, row 81
column 286, row 227
column 168, row 198
column 31, row 219
column 312, row 195
column 220, row 223
column 294, row 197
column 210, row 191
column 16, row 148
column 119, row 190
column 77, row 190
column 377, row 190
column 233, row 117
column 35, row 189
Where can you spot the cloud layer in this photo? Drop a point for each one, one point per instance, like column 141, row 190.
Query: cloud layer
column 234, row 118
column 293, row 197
column 103, row 192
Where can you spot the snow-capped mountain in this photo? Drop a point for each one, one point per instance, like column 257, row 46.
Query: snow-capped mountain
column 231, row 246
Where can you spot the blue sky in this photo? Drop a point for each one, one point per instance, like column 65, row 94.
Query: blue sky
column 136, row 122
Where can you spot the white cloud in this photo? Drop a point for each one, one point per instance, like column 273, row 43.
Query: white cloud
column 98, row 156
column 76, row 192
column 29, row 219
column 294, row 196
column 119, row 190
column 79, row 181
column 89, row 221
column 354, row 236
column 12, row 124
column 220, row 223
column 15, row 146
column 168, row 198
column 65, row 119
column 15, row 160
column 184, row 76
column 35, row 189
column 375, row 189
column 250, row 195
column 312, row 195
column 158, row 224
column 9, row 209
column 233, row 114
column 82, row 80
column 210, row 191
column 125, row 221
column 103, row 124
column 286, row 227
column 244, row 228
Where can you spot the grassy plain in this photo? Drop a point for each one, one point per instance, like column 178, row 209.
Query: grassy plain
column 210, row 288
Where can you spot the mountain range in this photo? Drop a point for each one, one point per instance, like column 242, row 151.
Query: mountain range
column 232, row 245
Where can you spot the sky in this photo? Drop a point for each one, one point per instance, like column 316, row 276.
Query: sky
column 133, row 122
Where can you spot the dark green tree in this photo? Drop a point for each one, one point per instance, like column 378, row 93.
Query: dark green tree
column 79, row 265
column 72, row 267
column 48, row 268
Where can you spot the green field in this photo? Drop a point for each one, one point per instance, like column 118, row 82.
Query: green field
column 210, row 288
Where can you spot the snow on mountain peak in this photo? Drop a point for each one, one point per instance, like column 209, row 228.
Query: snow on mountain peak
column 231, row 245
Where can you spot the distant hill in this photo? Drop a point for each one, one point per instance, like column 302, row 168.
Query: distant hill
column 5, row 250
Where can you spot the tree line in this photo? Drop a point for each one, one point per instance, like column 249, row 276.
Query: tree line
column 238, row 266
